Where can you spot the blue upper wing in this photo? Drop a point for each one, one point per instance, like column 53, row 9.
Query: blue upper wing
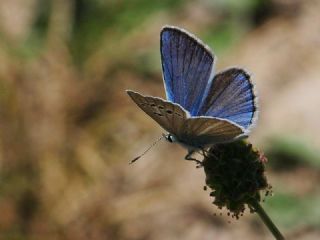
column 187, row 66
column 231, row 97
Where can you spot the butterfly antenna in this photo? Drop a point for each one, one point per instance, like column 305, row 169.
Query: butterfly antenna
column 151, row 146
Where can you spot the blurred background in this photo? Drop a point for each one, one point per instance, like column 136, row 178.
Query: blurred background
column 68, row 129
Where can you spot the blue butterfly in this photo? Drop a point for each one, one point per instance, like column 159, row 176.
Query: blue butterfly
column 202, row 108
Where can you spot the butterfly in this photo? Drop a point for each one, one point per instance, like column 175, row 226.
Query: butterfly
column 202, row 109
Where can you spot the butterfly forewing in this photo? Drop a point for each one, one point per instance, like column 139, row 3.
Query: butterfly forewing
column 231, row 97
column 168, row 115
column 187, row 67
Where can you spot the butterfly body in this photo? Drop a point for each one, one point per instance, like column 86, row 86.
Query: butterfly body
column 201, row 109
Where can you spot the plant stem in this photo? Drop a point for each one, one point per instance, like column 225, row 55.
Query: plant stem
column 265, row 218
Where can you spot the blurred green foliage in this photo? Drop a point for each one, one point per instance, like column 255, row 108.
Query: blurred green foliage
column 287, row 152
column 291, row 211
column 93, row 19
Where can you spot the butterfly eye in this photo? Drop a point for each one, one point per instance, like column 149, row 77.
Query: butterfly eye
column 169, row 138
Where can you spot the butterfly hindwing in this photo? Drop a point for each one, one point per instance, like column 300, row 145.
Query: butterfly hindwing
column 168, row 115
column 202, row 131
column 187, row 66
column 231, row 96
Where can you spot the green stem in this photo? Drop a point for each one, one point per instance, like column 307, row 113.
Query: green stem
column 265, row 218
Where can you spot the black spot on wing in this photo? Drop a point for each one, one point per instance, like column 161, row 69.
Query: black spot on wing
column 169, row 111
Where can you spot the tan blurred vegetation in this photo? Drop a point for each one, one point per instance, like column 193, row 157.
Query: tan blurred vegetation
column 68, row 130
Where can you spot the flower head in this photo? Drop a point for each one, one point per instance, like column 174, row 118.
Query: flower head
column 235, row 174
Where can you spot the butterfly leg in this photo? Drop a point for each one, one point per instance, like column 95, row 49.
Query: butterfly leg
column 190, row 158
column 208, row 154
column 204, row 152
